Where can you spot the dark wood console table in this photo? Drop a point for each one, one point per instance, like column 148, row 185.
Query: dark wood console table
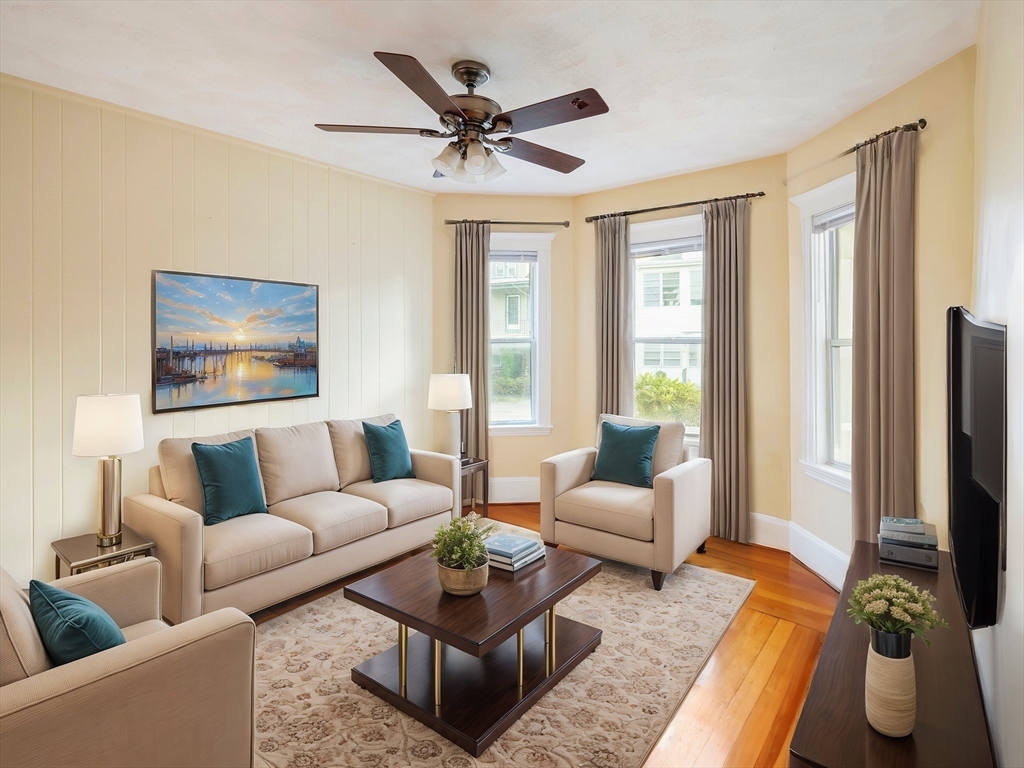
column 951, row 728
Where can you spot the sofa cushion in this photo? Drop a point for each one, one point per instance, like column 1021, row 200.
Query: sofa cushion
column 407, row 499
column 350, row 452
column 244, row 546
column 178, row 470
column 613, row 507
column 71, row 626
column 389, row 451
column 231, row 480
column 143, row 628
column 334, row 518
column 296, row 460
column 625, row 454
column 22, row 653
column 668, row 450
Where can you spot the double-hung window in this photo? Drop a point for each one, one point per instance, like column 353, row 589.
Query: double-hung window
column 518, row 310
column 827, row 221
column 668, row 269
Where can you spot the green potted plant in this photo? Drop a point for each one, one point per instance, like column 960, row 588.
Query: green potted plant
column 461, row 555
column 896, row 612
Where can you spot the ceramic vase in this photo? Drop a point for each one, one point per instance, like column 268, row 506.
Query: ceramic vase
column 890, row 689
column 459, row 581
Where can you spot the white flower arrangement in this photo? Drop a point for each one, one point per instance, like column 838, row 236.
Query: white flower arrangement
column 889, row 603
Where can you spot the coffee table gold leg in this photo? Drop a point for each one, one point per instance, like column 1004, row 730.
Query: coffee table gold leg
column 403, row 658
column 519, row 655
column 550, row 622
column 437, row 674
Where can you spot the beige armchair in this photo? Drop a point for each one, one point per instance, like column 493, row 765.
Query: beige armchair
column 170, row 696
column 655, row 528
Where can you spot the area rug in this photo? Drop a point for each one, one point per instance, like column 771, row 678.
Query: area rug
column 607, row 713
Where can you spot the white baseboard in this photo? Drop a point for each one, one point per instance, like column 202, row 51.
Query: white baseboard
column 818, row 555
column 514, row 490
column 769, row 531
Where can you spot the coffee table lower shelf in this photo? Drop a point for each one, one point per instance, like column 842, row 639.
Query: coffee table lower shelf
column 480, row 697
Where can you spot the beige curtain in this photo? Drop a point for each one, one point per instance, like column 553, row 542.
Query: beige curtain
column 883, row 334
column 472, row 336
column 723, row 419
column 614, row 317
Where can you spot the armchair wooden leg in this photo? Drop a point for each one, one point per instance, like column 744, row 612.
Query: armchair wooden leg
column 658, row 578
column 702, row 548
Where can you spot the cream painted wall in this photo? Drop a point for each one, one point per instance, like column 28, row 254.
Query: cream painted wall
column 998, row 292
column 944, row 95
column 515, row 456
column 768, row 302
column 92, row 198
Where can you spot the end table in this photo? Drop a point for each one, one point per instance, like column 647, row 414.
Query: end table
column 472, row 466
column 81, row 553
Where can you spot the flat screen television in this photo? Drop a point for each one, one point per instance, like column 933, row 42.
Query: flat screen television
column 976, row 390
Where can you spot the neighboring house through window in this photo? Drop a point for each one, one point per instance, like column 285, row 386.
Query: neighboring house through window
column 519, row 310
column 668, row 268
column 827, row 222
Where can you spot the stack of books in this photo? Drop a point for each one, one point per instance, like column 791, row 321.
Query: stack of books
column 509, row 552
column 908, row 541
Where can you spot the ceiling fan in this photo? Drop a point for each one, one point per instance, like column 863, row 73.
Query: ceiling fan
column 472, row 121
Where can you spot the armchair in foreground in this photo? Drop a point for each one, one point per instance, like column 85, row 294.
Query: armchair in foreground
column 169, row 696
column 655, row 528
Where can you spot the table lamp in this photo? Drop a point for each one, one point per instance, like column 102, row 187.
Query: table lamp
column 108, row 425
column 451, row 392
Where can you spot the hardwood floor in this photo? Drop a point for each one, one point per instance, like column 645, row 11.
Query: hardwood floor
column 743, row 707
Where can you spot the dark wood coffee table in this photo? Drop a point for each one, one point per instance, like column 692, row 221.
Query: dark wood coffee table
column 475, row 664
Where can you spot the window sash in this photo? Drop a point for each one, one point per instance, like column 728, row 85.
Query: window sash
column 508, row 272
column 825, row 226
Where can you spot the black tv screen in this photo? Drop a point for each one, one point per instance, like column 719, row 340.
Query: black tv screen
column 977, row 461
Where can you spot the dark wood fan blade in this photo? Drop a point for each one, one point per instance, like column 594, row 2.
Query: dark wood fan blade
column 549, row 158
column 411, row 72
column 368, row 129
column 564, row 109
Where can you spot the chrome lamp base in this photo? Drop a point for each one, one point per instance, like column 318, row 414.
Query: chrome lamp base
column 109, row 532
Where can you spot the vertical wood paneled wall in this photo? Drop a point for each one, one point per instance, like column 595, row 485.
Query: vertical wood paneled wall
column 92, row 198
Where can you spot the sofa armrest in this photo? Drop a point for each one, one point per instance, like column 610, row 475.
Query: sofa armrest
column 557, row 475
column 442, row 469
column 183, row 696
column 178, row 534
column 129, row 592
column 682, row 512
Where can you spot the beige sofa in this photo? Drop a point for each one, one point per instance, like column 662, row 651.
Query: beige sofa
column 172, row 696
column 327, row 517
column 656, row 528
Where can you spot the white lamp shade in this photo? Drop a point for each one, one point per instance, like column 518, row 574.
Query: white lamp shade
column 449, row 392
column 477, row 161
column 463, row 175
column 447, row 160
column 107, row 425
column 496, row 168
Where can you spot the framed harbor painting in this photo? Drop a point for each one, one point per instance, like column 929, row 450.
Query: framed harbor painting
column 221, row 340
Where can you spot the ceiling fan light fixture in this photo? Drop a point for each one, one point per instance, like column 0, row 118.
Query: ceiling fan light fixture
column 476, row 158
column 496, row 168
column 447, row 161
column 463, row 175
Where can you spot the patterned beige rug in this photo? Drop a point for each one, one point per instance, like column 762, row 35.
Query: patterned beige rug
column 607, row 713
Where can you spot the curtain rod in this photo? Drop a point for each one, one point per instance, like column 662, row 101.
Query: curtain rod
column 917, row 125
column 526, row 223
column 676, row 205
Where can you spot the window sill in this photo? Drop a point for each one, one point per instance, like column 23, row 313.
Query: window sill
column 829, row 475
column 519, row 430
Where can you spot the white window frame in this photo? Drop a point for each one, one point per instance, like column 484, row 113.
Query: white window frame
column 817, row 288
column 539, row 243
column 667, row 230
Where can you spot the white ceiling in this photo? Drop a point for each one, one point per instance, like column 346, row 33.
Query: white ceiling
column 690, row 85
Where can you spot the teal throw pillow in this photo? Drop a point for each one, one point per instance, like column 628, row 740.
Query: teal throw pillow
column 389, row 451
column 626, row 454
column 70, row 626
column 231, row 480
